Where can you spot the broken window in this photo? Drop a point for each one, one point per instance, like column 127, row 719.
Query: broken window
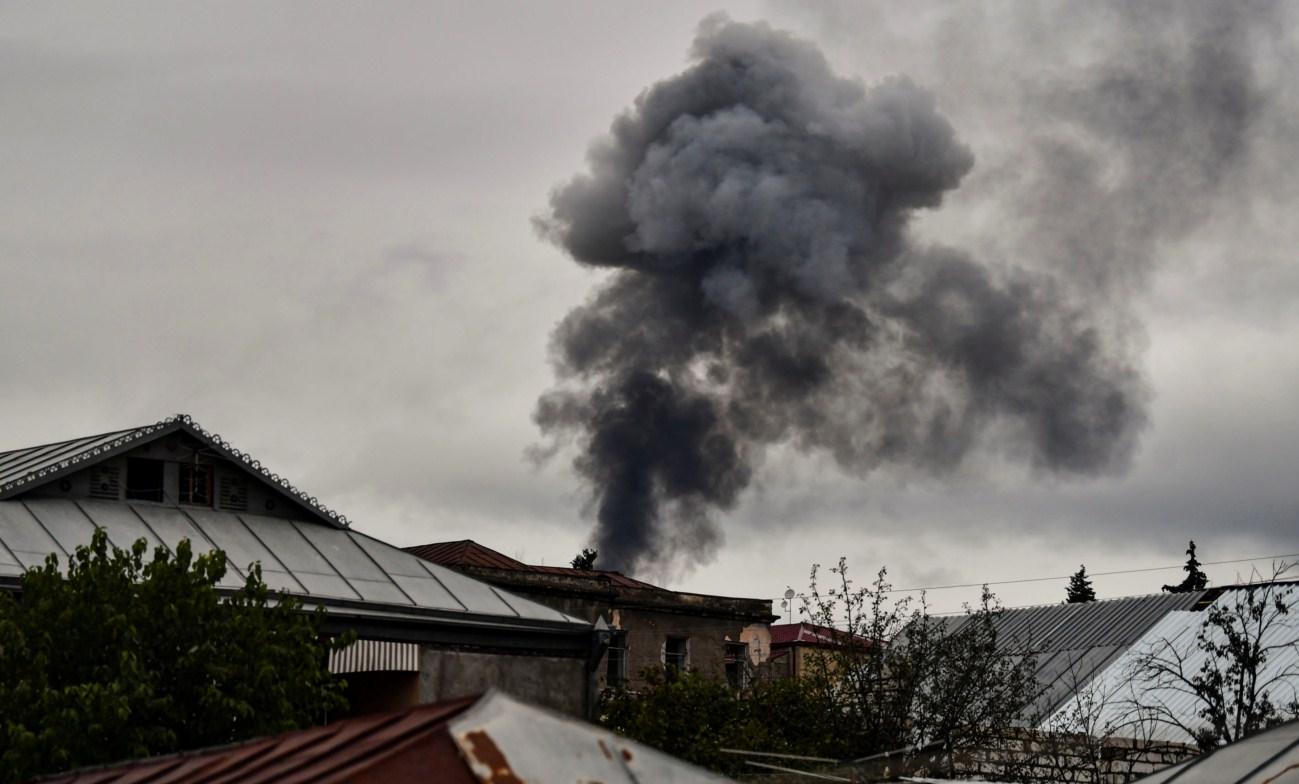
column 737, row 664
column 195, row 484
column 616, row 674
column 143, row 479
column 676, row 653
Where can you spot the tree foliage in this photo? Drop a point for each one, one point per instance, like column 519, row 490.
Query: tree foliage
column 1195, row 580
column 585, row 560
column 123, row 657
column 1080, row 588
column 891, row 676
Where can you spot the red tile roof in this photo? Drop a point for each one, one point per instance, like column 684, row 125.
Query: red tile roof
column 467, row 552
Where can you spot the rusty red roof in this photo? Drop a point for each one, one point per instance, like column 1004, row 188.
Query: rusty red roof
column 362, row 749
column 788, row 634
column 494, row 738
column 467, row 552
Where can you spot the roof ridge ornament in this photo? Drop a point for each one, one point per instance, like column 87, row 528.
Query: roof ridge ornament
column 188, row 422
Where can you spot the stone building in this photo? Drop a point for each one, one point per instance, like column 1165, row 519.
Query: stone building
column 650, row 626
column 425, row 632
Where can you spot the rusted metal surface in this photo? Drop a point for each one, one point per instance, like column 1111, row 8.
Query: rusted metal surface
column 492, row 739
column 507, row 741
column 467, row 552
column 366, row 748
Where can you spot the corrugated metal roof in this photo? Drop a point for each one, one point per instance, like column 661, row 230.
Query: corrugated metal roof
column 359, row 749
column 1074, row 641
column 22, row 469
column 467, row 552
column 490, row 739
column 302, row 557
column 1117, row 687
column 1270, row 757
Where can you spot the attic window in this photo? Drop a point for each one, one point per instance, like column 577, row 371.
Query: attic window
column 143, row 479
column 195, row 484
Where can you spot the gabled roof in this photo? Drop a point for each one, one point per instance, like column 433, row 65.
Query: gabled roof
column 467, row 552
column 23, row 469
column 1076, row 641
column 803, row 634
column 495, row 738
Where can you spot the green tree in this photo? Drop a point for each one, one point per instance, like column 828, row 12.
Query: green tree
column 585, row 560
column 120, row 657
column 1080, row 588
column 890, row 676
column 1196, row 579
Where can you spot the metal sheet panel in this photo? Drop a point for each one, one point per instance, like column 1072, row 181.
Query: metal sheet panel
column 1120, row 686
column 504, row 739
column 242, row 548
column 301, row 569
column 24, row 536
column 120, row 522
column 172, row 525
column 64, row 520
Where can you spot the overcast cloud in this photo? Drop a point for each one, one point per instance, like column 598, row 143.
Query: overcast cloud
column 309, row 226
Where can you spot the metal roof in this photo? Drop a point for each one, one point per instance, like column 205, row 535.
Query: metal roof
column 1075, row 641
column 1118, row 687
column 495, row 738
column 322, row 564
column 505, row 740
column 1269, row 757
column 467, row 552
column 23, row 469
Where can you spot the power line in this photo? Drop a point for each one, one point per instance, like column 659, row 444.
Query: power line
column 1093, row 574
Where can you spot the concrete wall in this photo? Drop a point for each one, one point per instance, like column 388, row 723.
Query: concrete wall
column 551, row 682
column 647, row 630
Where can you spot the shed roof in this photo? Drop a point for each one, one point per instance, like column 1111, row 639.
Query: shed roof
column 493, row 738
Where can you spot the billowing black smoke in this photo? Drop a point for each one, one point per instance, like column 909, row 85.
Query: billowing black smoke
column 754, row 212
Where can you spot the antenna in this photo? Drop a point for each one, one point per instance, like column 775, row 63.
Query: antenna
column 788, row 603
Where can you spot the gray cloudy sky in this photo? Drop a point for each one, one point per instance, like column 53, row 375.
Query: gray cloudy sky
column 308, row 225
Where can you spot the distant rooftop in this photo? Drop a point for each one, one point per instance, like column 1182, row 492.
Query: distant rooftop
column 467, row 552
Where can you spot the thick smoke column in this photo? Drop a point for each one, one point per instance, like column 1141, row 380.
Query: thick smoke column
column 754, row 210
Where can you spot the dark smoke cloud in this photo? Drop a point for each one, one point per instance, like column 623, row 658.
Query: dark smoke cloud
column 754, row 213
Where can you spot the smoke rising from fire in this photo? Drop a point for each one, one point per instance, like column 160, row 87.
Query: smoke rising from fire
column 764, row 288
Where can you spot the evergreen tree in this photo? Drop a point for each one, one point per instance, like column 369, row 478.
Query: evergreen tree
column 1196, row 579
column 585, row 560
column 1080, row 588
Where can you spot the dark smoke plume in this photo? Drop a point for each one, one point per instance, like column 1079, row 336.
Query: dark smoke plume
column 754, row 212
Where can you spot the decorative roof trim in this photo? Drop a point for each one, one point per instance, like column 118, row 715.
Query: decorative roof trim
column 187, row 423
